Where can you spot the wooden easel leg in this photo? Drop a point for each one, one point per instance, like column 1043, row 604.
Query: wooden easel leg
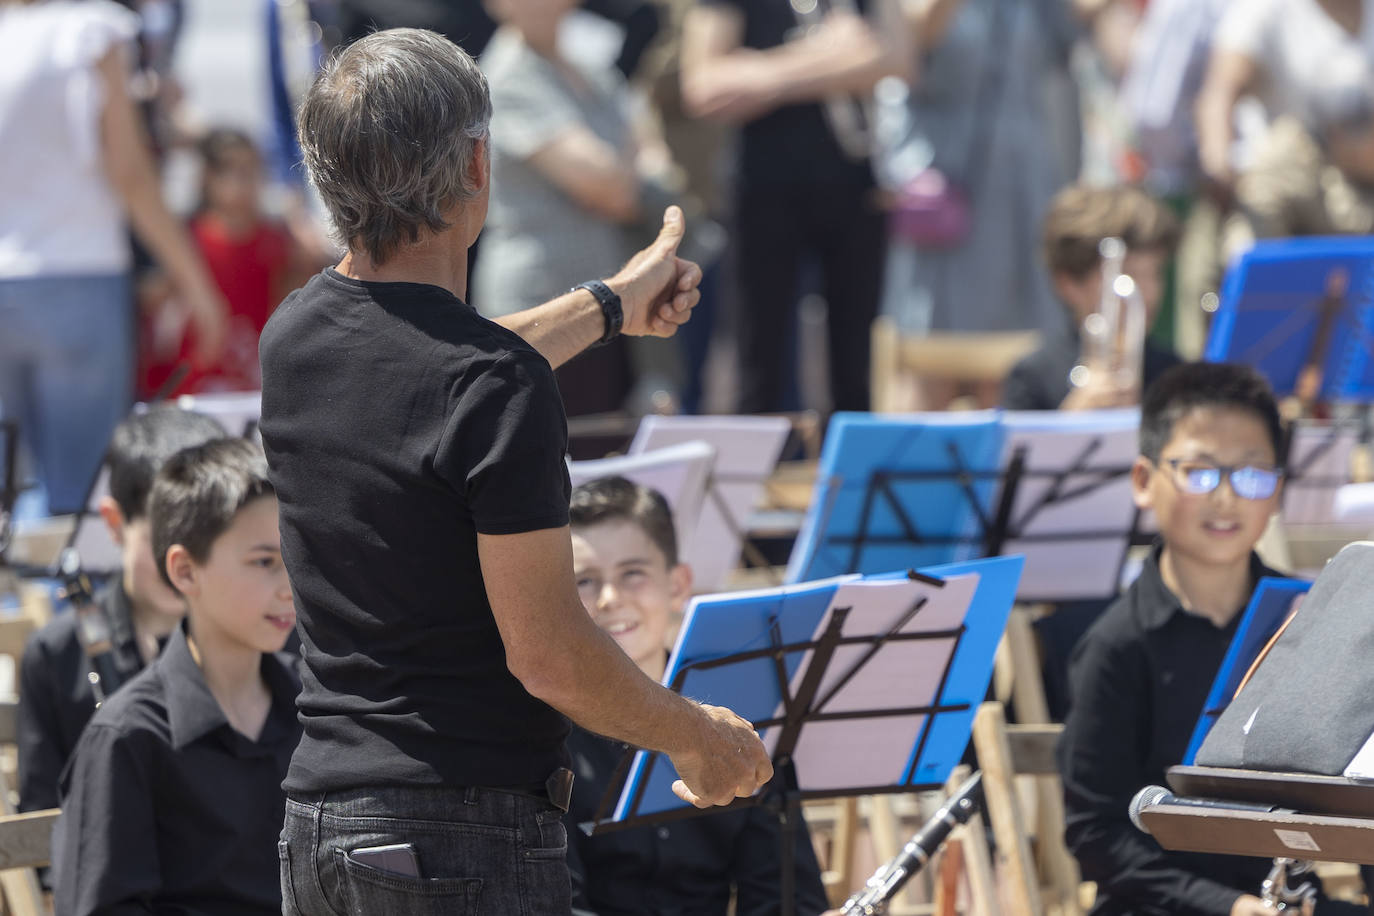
column 1004, row 810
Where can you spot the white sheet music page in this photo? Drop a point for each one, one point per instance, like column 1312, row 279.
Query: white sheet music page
column 875, row 751
column 680, row 473
column 1361, row 767
column 1073, row 506
column 1319, row 465
column 747, row 450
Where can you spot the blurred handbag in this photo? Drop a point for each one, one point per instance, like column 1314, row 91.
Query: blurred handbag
column 933, row 209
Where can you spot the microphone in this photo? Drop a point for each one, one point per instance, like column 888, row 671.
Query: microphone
column 890, row 878
column 1150, row 796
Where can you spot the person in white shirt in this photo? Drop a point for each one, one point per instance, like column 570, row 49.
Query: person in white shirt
column 1289, row 54
column 75, row 170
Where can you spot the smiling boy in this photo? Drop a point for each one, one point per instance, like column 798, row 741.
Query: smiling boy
column 1209, row 469
column 173, row 800
column 629, row 579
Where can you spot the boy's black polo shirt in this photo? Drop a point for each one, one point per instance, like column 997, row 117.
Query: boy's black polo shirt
column 1138, row 681
column 55, row 696
column 166, row 808
column 398, row 424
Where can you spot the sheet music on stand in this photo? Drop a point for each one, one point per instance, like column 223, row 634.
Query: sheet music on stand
column 1293, row 303
column 679, row 472
column 1319, row 457
column 1073, row 514
column 747, row 450
column 898, row 491
column 860, row 685
column 237, row 412
column 920, row 488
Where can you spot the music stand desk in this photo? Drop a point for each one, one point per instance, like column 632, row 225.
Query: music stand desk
column 1331, row 817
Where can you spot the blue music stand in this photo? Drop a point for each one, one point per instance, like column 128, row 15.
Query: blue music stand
column 919, row 489
column 843, row 710
column 899, row 493
column 1291, row 303
column 1266, row 612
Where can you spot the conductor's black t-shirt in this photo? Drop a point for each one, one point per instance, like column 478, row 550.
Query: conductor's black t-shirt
column 398, row 424
column 792, row 145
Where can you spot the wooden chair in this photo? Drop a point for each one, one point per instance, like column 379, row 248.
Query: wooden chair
column 1039, row 876
column 25, row 845
column 902, row 365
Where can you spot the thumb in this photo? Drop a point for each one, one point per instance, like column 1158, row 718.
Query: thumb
column 674, row 226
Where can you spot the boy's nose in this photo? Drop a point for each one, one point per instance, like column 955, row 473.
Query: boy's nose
column 1224, row 493
column 609, row 595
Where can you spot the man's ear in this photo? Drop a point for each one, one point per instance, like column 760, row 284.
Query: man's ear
column 114, row 518
column 1140, row 483
column 181, row 569
column 680, row 582
column 479, row 166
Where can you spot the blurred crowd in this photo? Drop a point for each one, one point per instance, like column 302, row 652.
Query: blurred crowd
column 838, row 160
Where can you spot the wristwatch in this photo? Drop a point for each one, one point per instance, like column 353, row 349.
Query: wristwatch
column 610, row 308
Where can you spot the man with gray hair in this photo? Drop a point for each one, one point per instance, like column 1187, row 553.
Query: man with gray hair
column 417, row 450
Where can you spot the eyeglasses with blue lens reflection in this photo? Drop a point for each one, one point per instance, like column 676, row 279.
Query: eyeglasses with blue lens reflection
column 1248, row 482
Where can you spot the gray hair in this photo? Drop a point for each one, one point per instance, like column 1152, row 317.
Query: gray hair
column 389, row 130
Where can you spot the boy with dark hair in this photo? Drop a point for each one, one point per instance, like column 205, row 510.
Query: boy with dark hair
column 1079, row 218
column 139, row 609
column 173, row 800
column 629, row 578
column 1209, row 468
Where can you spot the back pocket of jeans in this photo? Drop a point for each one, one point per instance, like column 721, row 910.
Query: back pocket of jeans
column 373, row 892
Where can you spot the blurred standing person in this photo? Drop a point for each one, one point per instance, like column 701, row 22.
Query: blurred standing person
column 470, row 24
column 253, row 260
column 993, row 115
column 566, row 189
column 1290, row 54
column 799, row 194
column 74, row 165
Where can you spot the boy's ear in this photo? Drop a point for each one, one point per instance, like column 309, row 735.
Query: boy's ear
column 181, row 569
column 680, row 581
column 1140, row 482
column 114, row 518
column 1076, row 293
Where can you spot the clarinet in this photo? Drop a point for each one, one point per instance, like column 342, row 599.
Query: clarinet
column 93, row 631
column 890, row 878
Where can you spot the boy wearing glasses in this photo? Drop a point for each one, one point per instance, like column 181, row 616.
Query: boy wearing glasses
column 1209, row 469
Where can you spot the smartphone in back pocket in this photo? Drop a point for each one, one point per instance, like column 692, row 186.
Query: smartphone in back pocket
column 398, row 859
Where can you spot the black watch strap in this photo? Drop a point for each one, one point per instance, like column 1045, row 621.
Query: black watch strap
column 610, row 308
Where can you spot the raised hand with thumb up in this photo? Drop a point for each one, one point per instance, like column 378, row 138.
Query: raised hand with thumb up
column 658, row 289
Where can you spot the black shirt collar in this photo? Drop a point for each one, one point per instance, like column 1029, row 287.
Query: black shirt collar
column 1157, row 604
column 192, row 710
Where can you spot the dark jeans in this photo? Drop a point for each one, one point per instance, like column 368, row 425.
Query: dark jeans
column 778, row 229
column 479, row 851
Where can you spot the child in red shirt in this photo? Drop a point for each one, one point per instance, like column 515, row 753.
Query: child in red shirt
column 253, row 261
